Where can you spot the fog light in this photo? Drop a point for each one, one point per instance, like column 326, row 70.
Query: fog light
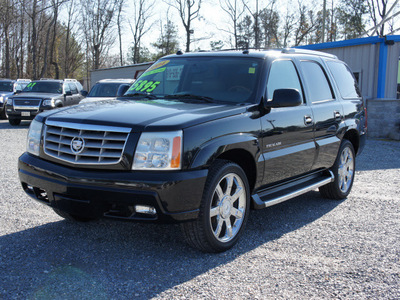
column 29, row 188
column 144, row 209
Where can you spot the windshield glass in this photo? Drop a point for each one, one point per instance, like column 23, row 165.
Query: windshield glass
column 104, row 90
column 44, row 87
column 6, row 86
column 231, row 79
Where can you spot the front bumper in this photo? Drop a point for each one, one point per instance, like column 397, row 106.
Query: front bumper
column 22, row 115
column 176, row 196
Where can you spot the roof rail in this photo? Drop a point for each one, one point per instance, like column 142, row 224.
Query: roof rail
column 24, row 80
column 310, row 52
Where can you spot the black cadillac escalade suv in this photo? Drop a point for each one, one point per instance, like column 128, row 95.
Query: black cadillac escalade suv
column 200, row 139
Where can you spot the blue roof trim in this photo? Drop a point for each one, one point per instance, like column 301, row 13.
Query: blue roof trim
column 353, row 42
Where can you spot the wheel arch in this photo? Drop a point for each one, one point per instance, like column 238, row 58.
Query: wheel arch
column 238, row 148
column 352, row 136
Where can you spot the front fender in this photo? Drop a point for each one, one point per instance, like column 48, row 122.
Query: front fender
column 210, row 150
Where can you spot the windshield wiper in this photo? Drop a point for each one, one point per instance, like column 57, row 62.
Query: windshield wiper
column 189, row 97
column 142, row 95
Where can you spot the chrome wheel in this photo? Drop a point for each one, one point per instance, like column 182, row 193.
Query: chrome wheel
column 346, row 170
column 228, row 207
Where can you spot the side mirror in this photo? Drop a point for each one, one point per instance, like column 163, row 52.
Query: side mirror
column 285, row 98
column 122, row 89
column 68, row 93
column 84, row 93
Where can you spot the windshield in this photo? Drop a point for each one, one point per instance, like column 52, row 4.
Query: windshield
column 44, row 87
column 230, row 79
column 6, row 86
column 104, row 90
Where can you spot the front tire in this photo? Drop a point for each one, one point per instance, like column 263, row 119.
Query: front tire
column 224, row 209
column 344, row 171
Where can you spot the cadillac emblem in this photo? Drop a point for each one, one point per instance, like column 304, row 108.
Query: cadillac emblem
column 77, row 145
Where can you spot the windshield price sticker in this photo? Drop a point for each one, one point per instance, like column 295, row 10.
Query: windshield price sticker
column 144, row 86
column 173, row 73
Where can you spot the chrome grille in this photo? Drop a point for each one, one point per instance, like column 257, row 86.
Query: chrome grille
column 26, row 104
column 99, row 144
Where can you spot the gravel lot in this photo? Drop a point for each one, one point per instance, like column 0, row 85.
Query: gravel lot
column 305, row 248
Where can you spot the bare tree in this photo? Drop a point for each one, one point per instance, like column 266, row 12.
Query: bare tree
column 6, row 19
column 380, row 12
column 188, row 10
column 52, row 27
column 234, row 9
column 289, row 22
column 97, row 27
column 256, row 24
column 120, row 19
column 305, row 24
column 142, row 11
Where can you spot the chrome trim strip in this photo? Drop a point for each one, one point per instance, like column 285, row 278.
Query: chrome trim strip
column 26, row 107
column 79, row 126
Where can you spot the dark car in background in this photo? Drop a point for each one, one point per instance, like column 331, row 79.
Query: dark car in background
column 41, row 95
column 9, row 87
column 107, row 89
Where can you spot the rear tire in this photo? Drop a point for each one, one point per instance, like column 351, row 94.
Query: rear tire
column 14, row 122
column 71, row 217
column 344, row 171
column 224, row 209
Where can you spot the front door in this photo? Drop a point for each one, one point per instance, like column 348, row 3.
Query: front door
column 287, row 133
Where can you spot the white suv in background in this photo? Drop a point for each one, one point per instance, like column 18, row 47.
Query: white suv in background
column 106, row 89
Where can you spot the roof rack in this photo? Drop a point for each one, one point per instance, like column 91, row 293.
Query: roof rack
column 305, row 51
column 24, row 80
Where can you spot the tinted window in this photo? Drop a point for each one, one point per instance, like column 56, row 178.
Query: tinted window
column 229, row 79
column 104, row 90
column 282, row 75
column 73, row 88
column 44, row 87
column 6, row 86
column 66, row 88
column 345, row 80
column 316, row 81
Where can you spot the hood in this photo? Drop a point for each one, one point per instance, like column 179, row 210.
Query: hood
column 36, row 95
column 152, row 115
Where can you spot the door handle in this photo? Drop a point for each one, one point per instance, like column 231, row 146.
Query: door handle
column 308, row 120
column 337, row 115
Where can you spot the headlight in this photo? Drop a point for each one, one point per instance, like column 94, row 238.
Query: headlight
column 1, row 99
column 158, row 151
column 34, row 134
column 48, row 102
column 9, row 101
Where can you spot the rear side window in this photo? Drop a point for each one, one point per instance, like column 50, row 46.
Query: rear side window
column 345, row 80
column 73, row 88
column 318, row 84
column 283, row 75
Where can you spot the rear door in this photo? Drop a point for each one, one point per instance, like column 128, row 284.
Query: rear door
column 327, row 111
column 288, row 146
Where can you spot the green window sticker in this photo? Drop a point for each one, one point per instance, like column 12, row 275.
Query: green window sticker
column 252, row 70
column 153, row 72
